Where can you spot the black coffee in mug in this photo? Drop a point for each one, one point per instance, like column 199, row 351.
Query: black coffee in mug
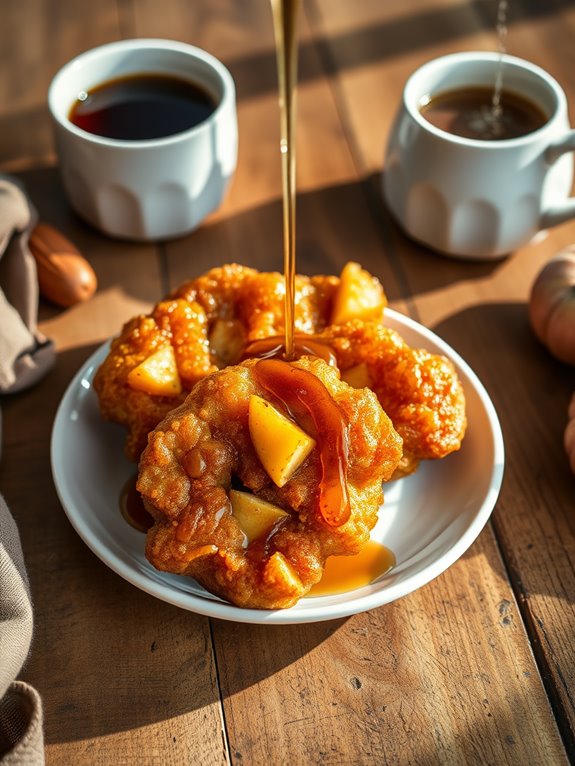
column 142, row 106
column 469, row 112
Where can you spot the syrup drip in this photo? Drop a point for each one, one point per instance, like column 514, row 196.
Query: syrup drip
column 344, row 573
column 309, row 402
column 501, row 29
column 132, row 507
column 304, row 345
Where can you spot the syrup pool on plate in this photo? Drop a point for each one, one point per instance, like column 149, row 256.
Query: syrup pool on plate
column 344, row 573
column 341, row 573
column 132, row 507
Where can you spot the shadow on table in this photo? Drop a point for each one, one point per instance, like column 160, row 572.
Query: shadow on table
column 496, row 340
column 374, row 42
column 337, row 223
column 108, row 657
column 107, row 255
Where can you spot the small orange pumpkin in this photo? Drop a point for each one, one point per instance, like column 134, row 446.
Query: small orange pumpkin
column 569, row 438
column 552, row 305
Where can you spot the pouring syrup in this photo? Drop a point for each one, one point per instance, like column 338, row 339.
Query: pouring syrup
column 342, row 572
column 285, row 14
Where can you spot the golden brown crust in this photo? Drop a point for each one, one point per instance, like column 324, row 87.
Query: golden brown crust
column 208, row 321
column 195, row 532
column 420, row 391
column 136, row 410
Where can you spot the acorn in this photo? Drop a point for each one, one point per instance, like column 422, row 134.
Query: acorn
column 64, row 276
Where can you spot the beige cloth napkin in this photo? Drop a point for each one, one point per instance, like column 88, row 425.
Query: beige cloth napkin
column 25, row 354
column 21, row 739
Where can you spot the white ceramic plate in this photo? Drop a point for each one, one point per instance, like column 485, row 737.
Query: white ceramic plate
column 428, row 520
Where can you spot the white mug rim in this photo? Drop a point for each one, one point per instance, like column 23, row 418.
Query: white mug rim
column 541, row 74
column 143, row 44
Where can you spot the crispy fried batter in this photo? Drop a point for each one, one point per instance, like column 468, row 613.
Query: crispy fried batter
column 140, row 338
column 256, row 299
column 208, row 320
column 202, row 447
column 420, row 391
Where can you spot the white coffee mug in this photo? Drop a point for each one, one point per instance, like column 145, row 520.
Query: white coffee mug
column 146, row 189
column 475, row 198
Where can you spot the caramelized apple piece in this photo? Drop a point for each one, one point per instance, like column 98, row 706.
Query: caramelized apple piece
column 227, row 340
column 359, row 295
column 357, row 376
column 158, row 374
column 255, row 516
column 280, row 444
column 279, row 573
column 200, row 551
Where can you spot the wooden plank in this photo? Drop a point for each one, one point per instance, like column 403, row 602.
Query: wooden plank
column 38, row 37
column 120, row 673
column 443, row 676
column 481, row 310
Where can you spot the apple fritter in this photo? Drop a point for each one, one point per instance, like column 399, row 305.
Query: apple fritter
column 420, row 391
column 248, row 501
column 213, row 321
column 208, row 321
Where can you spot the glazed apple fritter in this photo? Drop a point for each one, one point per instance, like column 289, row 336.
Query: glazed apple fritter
column 209, row 322
column 420, row 391
column 203, row 451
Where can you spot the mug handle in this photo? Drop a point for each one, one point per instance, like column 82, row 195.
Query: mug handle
column 566, row 210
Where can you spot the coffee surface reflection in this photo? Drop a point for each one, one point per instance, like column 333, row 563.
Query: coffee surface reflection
column 469, row 113
column 141, row 107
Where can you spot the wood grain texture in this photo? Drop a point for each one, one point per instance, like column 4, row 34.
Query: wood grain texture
column 38, row 37
column 123, row 678
column 442, row 676
column 120, row 673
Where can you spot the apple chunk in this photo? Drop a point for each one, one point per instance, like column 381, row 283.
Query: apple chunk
column 158, row 374
column 280, row 573
column 254, row 515
column 359, row 295
column 280, row 444
column 227, row 340
column 357, row 376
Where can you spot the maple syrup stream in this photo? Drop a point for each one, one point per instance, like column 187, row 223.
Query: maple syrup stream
column 285, row 14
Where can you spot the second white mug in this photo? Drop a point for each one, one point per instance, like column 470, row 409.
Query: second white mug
column 474, row 198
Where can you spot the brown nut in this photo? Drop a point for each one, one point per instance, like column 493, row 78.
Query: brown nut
column 64, row 276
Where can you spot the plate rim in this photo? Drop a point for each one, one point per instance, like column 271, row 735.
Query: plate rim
column 212, row 607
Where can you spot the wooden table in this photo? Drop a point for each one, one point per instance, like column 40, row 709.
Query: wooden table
column 477, row 667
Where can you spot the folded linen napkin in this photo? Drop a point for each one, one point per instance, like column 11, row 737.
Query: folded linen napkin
column 25, row 354
column 21, row 739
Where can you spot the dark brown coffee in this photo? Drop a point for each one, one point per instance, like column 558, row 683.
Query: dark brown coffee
column 469, row 112
column 142, row 106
